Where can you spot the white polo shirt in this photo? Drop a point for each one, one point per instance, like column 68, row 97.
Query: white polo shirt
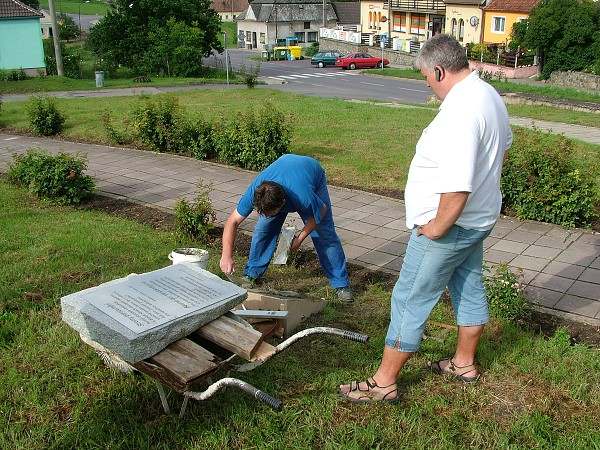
column 461, row 150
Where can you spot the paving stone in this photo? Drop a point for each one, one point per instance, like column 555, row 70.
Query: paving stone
column 521, row 236
column 393, row 248
column 498, row 257
column 353, row 214
column 541, row 252
column 509, row 246
column 591, row 275
column 552, row 282
column 563, row 269
column 535, row 227
column 377, row 258
column 360, row 227
column 585, row 289
column 354, row 251
column 529, row 262
column 578, row 305
column 543, row 297
column 571, row 257
column 380, row 221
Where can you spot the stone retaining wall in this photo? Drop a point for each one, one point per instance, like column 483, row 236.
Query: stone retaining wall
column 577, row 80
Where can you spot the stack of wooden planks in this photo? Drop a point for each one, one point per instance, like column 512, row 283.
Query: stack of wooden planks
column 187, row 362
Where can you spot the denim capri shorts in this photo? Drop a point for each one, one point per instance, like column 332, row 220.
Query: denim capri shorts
column 429, row 266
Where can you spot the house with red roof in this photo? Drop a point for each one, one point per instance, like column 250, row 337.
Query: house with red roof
column 499, row 16
column 229, row 9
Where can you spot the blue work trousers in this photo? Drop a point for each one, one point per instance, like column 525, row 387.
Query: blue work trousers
column 326, row 241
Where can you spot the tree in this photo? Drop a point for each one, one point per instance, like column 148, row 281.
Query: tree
column 145, row 35
column 566, row 34
column 67, row 28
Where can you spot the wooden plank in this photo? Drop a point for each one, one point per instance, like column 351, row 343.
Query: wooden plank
column 232, row 335
column 263, row 351
column 186, row 360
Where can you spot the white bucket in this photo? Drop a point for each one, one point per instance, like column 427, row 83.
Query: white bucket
column 190, row 255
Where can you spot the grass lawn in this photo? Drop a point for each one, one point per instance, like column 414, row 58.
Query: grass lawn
column 89, row 7
column 367, row 146
column 536, row 392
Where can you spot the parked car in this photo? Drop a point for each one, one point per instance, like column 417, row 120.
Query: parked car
column 360, row 61
column 325, row 58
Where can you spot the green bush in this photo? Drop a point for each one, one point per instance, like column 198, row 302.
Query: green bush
column 70, row 60
column 506, row 296
column 154, row 119
column 254, row 140
column 540, row 181
column 44, row 116
column 162, row 125
column 117, row 136
column 58, row 178
column 196, row 219
column 250, row 77
column 13, row 75
column 310, row 51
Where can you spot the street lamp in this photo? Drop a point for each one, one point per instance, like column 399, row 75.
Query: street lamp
column 226, row 61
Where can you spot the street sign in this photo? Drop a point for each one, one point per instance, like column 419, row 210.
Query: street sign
column 383, row 38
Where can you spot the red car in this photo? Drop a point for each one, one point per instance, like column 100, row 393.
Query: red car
column 360, row 61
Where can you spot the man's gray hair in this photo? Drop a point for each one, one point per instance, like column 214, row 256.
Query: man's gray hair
column 442, row 50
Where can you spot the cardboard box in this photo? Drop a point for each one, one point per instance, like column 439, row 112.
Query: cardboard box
column 285, row 310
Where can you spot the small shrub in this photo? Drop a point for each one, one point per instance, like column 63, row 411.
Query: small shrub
column 117, row 136
column 250, row 78
column 540, row 181
column 44, row 116
column 310, row 51
column 255, row 139
column 58, row 178
column 13, row 75
column 506, row 296
column 154, row 120
column 196, row 219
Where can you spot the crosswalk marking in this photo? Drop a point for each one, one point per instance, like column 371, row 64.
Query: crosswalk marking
column 296, row 76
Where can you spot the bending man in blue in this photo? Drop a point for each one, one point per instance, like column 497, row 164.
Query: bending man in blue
column 293, row 183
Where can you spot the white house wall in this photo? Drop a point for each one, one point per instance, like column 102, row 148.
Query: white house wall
column 469, row 14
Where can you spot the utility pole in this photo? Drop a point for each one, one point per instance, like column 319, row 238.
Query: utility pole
column 324, row 13
column 56, row 39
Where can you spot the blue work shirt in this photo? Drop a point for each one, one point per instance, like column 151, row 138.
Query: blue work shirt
column 299, row 176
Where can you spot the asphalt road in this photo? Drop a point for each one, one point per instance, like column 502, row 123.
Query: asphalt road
column 301, row 77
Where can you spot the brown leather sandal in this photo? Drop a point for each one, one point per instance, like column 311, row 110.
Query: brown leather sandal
column 372, row 393
column 454, row 371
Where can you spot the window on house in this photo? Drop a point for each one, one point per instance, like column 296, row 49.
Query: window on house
column 454, row 27
column 307, row 25
column 417, row 24
column 400, row 22
column 461, row 30
column 313, row 36
column 300, row 35
column 498, row 24
column 263, row 38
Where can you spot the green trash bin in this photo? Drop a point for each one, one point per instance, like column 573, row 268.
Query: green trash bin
column 280, row 53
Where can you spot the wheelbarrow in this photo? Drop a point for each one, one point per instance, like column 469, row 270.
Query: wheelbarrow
column 189, row 362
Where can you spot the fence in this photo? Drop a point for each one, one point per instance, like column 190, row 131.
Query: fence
column 501, row 58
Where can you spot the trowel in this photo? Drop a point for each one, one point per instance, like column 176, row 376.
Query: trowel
column 241, row 282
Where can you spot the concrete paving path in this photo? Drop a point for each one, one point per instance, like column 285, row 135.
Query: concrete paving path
column 561, row 267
